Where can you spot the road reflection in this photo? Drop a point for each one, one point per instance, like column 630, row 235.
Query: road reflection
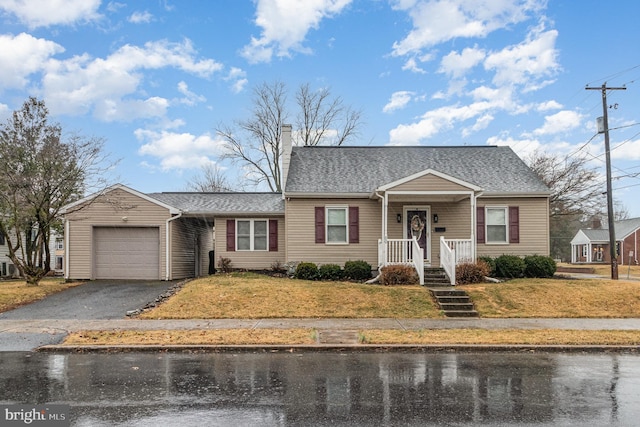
column 328, row 388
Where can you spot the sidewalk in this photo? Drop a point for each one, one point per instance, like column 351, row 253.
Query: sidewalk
column 333, row 334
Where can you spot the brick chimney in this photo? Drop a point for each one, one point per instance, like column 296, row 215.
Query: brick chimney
column 286, row 153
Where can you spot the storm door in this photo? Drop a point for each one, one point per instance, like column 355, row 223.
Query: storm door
column 417, row 225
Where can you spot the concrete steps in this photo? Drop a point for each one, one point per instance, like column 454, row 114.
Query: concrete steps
column 453, row 302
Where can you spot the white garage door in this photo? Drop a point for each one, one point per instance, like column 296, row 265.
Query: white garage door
column 126, row 253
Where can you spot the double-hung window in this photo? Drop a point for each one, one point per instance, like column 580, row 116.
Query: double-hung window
column 252, row 235
column 497, row 225
column 337, row 224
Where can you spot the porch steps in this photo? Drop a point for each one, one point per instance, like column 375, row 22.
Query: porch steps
column 454, row 302
column 435, row 277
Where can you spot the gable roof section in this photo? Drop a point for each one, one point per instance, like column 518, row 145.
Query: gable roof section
column 91, row 197
column 361, row 170
column 622, row 229
column 224, row 203
column 418, row 175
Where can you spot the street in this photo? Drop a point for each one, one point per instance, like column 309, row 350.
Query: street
column 328, row 388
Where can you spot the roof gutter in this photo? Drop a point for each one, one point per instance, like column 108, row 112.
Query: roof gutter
column 166, row 228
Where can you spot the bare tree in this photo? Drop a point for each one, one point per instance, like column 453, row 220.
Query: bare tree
column 256, row 142
column 324, row 119
column 211, row 179
column 39, row 174
column 576, row 196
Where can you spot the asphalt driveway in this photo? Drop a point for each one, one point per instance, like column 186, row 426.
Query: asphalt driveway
column 93, row 300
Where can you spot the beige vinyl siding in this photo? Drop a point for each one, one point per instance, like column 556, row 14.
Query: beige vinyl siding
column 534, row 227
column 186, row 235
column 250, row 260
column 454, row 217
column 104, row 211
column 301, row 245
column 429, row 183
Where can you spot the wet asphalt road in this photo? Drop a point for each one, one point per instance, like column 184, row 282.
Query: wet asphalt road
column 92, row 300
column 321, row 389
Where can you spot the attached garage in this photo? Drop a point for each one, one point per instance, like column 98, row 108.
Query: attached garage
column 126, row 253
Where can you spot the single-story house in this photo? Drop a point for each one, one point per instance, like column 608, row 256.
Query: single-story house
column 418, row 205
column 591, row 245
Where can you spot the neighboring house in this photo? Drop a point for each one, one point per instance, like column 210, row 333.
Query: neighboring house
column 592, row 245
column 378, row 204
column 7, row 269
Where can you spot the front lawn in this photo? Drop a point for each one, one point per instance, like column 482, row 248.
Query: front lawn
column 14, row 293
column 251, row 296
column 557, row 298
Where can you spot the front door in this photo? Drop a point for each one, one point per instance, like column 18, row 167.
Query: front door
column 417, row 225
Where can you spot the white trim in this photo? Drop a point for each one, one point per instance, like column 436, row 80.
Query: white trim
column 172, row 210
column 252, row 235
column 429, row 172
column 486, row 224
column 326, row 224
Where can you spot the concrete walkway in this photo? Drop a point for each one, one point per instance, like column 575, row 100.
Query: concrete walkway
column 28, row 335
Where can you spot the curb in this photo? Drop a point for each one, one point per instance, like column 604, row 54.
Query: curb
column 354, row 348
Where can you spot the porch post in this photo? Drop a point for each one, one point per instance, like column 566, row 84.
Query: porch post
column 473, row 226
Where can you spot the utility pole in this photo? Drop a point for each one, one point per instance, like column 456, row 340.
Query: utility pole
column 612, row 232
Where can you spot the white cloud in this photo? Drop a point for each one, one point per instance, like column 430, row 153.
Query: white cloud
column 549, row 105
column 190, row 98
column 437, row 21
column 522, row 147
column 626, row 151
column 140, row 17
column 43, row 13
column 178, row 151
column 525, row 63
column 458, row 64
column 102, row 85
column 562, row 121
column 285, row 24
column 21, row 56
column 238, row 79
column 480, row 124
column 435, row 121
column 398, row 101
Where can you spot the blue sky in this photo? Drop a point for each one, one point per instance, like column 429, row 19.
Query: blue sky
column 154, row 78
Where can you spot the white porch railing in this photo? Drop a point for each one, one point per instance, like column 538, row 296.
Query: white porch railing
column 402, row 251
column 463, row 249
column 448, row 260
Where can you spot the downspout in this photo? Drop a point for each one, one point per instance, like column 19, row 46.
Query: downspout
column 66, row 249
column 384, row 238
column 166, row 267
column 474, row 222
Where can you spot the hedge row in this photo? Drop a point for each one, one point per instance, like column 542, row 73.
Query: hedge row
column 353, row 270
column 513, row 266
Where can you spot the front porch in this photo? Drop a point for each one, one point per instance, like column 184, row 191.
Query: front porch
column 428, row 220
column 408, row 252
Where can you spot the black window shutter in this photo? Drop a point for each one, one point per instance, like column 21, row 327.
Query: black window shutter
column 354, row 224
column 273, row 235
column 480, row 224
column 514, row 224
column 319, row 224
column 231, row 235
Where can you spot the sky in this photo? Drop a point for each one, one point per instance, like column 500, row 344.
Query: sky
column 156, row 78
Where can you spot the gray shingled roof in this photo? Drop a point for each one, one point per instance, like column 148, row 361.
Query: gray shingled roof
column 224, row 203
column 363, row 169
column 622, row 229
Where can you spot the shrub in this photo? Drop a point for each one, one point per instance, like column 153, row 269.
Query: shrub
column 330, row 272
column 509, row 266
column 357, row 270
column 539, row 266
column 278, row 267
column 399, row 275
column 491, row 264
column 224, row 264
column 307, row 271
column 470, row 272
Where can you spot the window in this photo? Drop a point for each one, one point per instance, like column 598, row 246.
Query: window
column 585, row 251
column 337, row 225
column 497, row 225
column 59, row 243
column 252, row 235
column 58, row 262
column 1, row 239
